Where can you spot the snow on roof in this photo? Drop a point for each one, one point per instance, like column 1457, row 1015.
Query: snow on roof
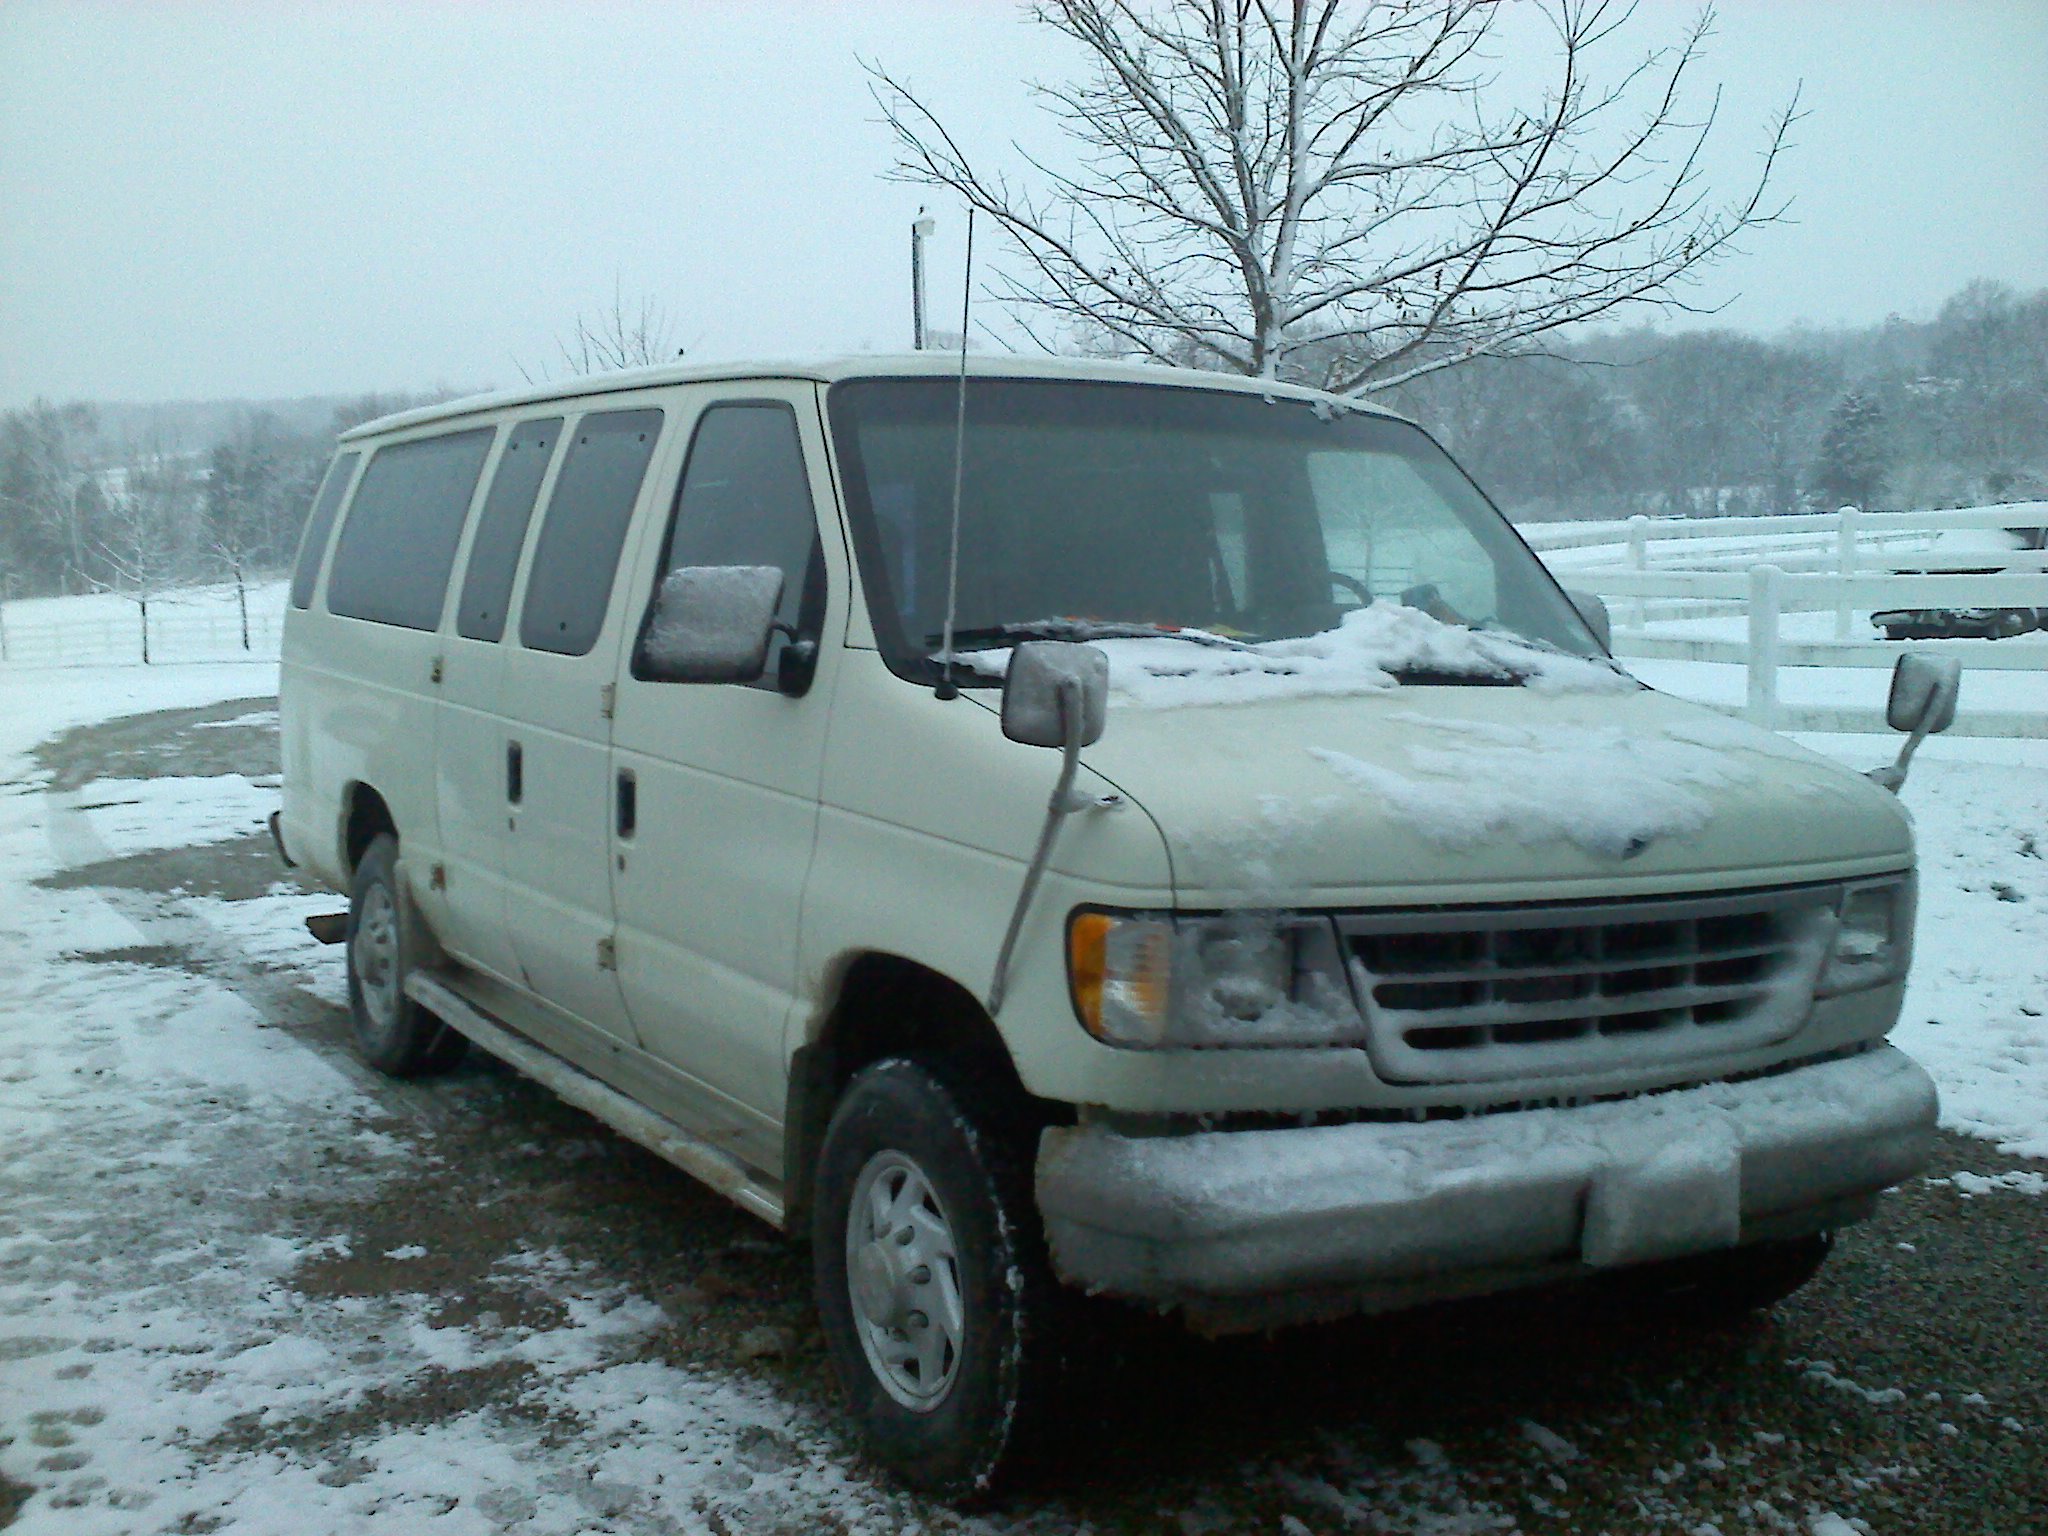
column 830, row 370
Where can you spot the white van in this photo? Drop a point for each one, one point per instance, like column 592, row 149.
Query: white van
column 1367, row 937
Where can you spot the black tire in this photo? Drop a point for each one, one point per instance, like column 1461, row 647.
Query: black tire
column 393, row 1033
column 1722, row 1287
column 986, row 1398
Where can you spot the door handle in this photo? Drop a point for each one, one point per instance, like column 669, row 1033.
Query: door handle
column 628, row 802
column 515, row 772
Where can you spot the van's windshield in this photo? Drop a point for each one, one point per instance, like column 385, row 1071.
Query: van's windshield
column 1099, row 509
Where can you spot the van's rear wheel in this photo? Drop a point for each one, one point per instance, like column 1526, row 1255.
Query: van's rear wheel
column 393, row 1033
column 931, row 1280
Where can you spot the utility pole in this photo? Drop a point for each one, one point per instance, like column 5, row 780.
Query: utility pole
column 920, row 231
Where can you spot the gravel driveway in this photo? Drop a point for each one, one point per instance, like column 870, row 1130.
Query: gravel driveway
column 232, row 1301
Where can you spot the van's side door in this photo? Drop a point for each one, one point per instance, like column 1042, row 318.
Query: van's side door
column 477, row 764
column 710, row 869
column 557, row 703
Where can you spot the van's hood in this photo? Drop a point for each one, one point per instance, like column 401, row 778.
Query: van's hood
column 1473, row 793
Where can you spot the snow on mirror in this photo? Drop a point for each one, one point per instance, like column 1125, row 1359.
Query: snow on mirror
column 1040, row 673
column 712, row 624
column 1922, row 701
column 1923, row 696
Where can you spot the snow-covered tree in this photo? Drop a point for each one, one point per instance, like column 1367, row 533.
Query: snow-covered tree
column 1855, row 452
column 1343, row 189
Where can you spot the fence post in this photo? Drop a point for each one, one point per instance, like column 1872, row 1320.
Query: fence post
column 1639, row 559
column 1845, row 567
column 1763, row 644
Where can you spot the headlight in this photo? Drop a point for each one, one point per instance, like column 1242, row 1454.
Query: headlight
column 1120, row 970
column 1873, row 937
column 1145, row 981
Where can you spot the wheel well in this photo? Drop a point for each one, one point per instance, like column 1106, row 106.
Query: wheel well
column 889, row 1006
column 368, row 815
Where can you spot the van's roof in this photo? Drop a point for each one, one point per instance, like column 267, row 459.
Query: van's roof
column 830, row 370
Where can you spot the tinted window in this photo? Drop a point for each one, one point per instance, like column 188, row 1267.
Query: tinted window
column 313, row 542
column 399, row 541
column 501, row 529
column 578, row 553
column 1175, row 508
column 746, row 500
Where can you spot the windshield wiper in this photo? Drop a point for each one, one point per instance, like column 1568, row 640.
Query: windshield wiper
column 1080, row 629
column 1439, row 677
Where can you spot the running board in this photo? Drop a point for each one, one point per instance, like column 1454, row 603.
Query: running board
column 635, row 1122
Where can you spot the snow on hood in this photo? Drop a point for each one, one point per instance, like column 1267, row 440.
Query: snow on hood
column 1611, row 790
column 1433, row 793
column 1364, row 654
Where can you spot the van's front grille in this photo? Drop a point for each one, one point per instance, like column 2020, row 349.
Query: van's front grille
column 1468, row 995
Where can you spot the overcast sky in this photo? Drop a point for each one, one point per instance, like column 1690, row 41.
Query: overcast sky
column 204, row 201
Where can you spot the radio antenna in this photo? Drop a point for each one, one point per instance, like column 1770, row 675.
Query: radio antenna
column 947, row 688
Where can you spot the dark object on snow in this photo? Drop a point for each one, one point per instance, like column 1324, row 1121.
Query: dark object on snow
column 1969, row 623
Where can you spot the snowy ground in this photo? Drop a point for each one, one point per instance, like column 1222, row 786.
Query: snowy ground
column 246, row 1287
column 147, row 1339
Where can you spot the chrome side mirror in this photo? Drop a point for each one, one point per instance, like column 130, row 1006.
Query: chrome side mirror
column 1056, row 692
column 1923, row 701
column 1593, row 609
column 710, row 624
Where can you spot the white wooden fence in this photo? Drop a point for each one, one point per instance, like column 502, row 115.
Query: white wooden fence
column 190, row 624
column 1655, row 574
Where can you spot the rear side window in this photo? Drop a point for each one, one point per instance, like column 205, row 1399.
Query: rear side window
column 313, row 542
column 570, row 584
column 746, row 500
column 398, row 544
column 501, row 528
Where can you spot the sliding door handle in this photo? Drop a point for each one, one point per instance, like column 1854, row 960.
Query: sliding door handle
column 628, row 801
column 515, row 772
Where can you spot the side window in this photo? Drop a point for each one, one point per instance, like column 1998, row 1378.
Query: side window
column 1388, row 533
column 313, row 542
column 746, row 500
column 501, row 528
column 578, row 554
column 399, row 540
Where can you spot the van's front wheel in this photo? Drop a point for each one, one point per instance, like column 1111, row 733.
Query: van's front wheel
column 933, row 1291
column 393, row 1033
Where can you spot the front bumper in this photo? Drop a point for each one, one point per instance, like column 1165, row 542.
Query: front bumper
column 1254, row 1228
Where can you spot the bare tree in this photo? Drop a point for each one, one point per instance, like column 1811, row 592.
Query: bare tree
column 624, row 336
column 148, row 516
column 1255, row 180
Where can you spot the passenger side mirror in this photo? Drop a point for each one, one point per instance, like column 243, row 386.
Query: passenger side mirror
column 1593, row 609
column 1923, row 701
column 1924, row 690
column 1046, row 679
column 711, row 624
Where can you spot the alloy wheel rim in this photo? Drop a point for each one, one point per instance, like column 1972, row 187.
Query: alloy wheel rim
column 903, row 1279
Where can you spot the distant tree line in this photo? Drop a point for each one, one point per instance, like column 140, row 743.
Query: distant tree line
column 1948, row 412
column 87, row 505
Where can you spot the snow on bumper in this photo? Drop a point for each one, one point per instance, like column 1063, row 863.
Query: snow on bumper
column 1413, row 1210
